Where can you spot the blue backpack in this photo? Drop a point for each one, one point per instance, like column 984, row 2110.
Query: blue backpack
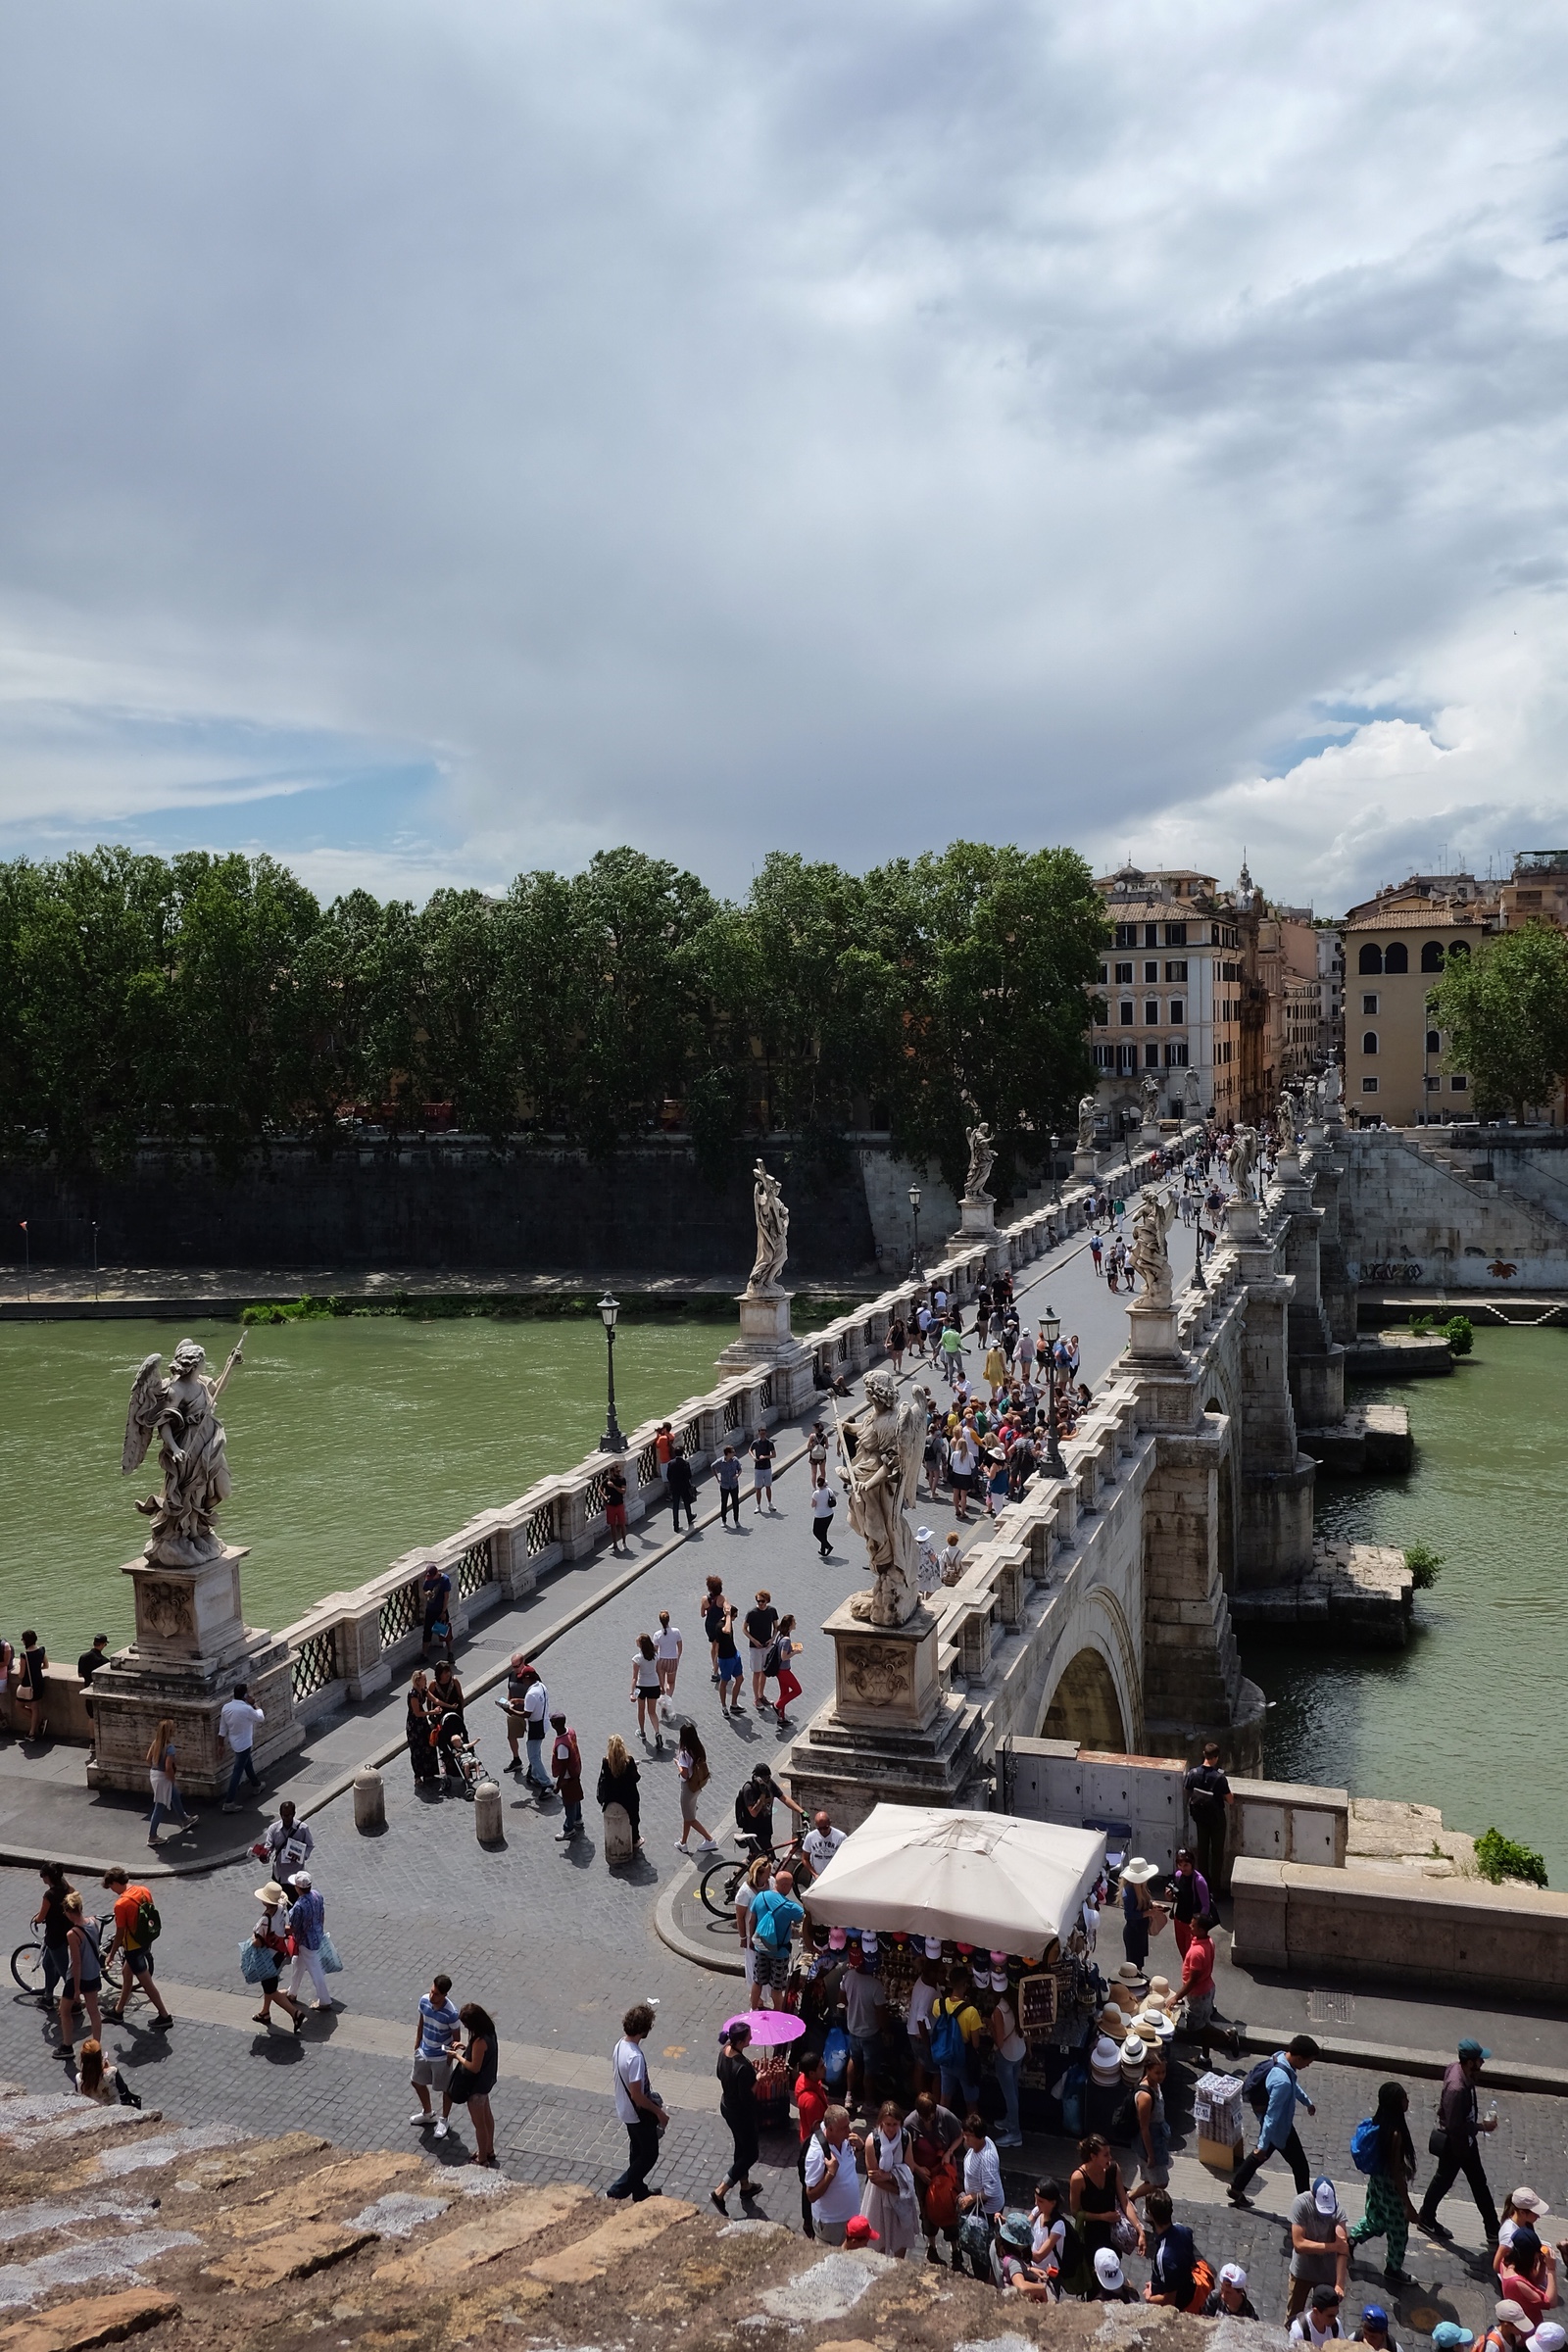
column 946, row 2037
column 1366, row 2146
column 767, row 1923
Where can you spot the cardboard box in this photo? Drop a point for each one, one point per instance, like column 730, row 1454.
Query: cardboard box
column 1221, row 2155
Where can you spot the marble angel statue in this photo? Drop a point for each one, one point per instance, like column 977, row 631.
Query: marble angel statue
column 1151, row 1223
column 882, row 1449
column 772, row 1230
column 179, row 1411
column 982, row 1159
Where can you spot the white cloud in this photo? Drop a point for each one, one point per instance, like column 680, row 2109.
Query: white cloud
column 838, row 430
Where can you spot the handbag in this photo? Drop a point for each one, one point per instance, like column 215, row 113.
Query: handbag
column 460, row 2084
column 975, row 2235
column 253, row 1959
column 1436, row 2141
column 331, row 1965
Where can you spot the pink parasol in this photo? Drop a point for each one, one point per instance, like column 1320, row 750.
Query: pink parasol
column 771, row 2028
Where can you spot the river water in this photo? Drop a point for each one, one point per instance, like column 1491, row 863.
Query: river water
column 350, row 1440
column 1469, row 1717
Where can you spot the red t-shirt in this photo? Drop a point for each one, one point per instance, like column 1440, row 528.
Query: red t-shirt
column 1198, row 1967
column 811, row 2100
column 1525, row 2293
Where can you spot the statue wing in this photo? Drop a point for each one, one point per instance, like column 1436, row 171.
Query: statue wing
column 912, row 1446
column 146, row 1400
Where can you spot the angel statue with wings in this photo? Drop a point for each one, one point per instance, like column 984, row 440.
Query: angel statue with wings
column 193, row 1450
column 883, row 1446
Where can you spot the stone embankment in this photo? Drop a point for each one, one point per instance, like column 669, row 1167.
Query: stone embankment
column 116, row 2224
column 1360, row 1593
column 1369, row 1437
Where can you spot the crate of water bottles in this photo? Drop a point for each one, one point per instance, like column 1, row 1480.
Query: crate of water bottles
column 1217, row 2108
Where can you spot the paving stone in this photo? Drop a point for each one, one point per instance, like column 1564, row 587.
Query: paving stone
column 93, row 2319
column 828, row 2291
column 526, row 2214
column 625, row 2233
column 399, row 2214
column 256, row 2156
column 296, row 2252
column 86, row 2262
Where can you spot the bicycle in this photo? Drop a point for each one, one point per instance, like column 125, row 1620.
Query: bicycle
column 27, row 1969
column 722, row 1881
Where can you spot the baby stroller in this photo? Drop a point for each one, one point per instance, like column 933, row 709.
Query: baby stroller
column 461, row 1768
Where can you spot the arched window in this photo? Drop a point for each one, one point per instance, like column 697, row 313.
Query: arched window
column 1431, row 955
column 1434, row 1042
column 1371, row 958
column 1459, row 947
column 1369, row 1043
column 1397, row 959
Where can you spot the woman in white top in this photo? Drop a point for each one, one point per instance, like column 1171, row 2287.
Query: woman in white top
column 667, row 1647
column 645, row 1686
column 890, row 2203
column 1011, row 2050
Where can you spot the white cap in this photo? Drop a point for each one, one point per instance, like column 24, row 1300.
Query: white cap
column 1108, row 2269
column 1233, row 2274
column 933, row 1948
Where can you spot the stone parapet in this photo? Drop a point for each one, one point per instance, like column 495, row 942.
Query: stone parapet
column 1391, row 1926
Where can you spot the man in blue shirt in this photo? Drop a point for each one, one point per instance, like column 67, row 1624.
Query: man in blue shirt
column 1279, row 2136
column 436, row 2038
column 775, row 1917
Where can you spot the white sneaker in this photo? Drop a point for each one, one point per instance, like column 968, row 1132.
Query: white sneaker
column 683, row 1849
column 709, row 1845
column 441, row 2128
column 419, row 2116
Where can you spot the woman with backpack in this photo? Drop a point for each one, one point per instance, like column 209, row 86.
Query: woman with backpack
column 1056, row 2247
column 1382, row 2148
column 737, row 2105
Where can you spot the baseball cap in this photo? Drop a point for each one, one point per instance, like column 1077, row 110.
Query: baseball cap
column 857, row 2232
column 1513, row 2313
column 1323, row 2194
column 1233, row 2274
column 836, row 1939
column 1449, row 2336
column 1549, row 2337
column 1525, row 2200
column 1108, row 2269
column 933, row 1948
column 1472, row 2049
column 1374, row 2316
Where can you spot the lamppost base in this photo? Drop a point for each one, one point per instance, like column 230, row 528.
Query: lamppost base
column 613, row 1440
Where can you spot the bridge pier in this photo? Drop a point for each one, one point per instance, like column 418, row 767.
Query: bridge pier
column 1274, row 1518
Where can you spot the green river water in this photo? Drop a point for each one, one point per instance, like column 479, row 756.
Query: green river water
column 350, row 1440
column 1467, row 1717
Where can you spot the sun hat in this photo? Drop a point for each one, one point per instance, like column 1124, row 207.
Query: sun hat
column 1324, row 2194
column 1127, row 1974
column 1104, row 2053
column 1449, row 2336
column 1112, row 2022
column 1134, row 2051
column 1108, row 2270
column 922, row 1535
column 272, row 1892
column 857, row 2232
column 1159, row 1988
column 1233, row 2274
column 1016, row 2231
column 1513, row 2313
column 1139, row 1871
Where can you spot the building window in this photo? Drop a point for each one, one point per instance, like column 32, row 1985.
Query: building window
column 1126, row 1060
column 1105, row 975
column 1431, row 955
column 1434, row 1042
column 1458, row 1086
column 1369, row 1004
column 1178, row 970
column 1371, row 958
column 1126, row 1017
column 1397, row 957
column 1176, row 936
column 1369, row 1086
column 1178, row 1012
column 1104, row 1057
column 1176, row 1054
column 1124, row 975
column 1369, row 1043
column 1433, row 1083
column 1151, row 1012
column 1152, row 1054
column 1459, row 947
column 1150, row 935
column 1150, row 974
column 1126, row 934
column 1102, row 1017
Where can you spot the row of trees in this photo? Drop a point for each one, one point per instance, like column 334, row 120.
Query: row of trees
column 214, row 996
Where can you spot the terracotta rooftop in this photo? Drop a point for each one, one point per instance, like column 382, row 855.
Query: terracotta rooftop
column 1431, row 917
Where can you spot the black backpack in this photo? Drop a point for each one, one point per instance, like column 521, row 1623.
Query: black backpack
column 1254, row 2090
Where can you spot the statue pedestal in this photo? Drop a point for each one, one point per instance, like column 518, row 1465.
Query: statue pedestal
column 766, row 1339
column 1152, row 1333
column 192, row 1646
column 1242, row 1221
column 893, row 1731
column 1085, row 1164
column 1149, row 1136
column 977, row 1229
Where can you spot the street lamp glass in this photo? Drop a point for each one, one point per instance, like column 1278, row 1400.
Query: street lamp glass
column 914, row 1195
column 1050, row 1326
column 610, row 1308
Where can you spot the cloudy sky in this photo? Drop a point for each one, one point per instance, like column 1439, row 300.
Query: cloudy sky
column 442, row 439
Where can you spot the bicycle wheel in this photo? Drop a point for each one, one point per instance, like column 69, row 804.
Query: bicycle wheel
column 26, row 1967
column 718, row 1883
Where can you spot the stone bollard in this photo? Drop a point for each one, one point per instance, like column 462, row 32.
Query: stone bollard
column 618, row 1846
column 487, row 1813
column 370, row 1799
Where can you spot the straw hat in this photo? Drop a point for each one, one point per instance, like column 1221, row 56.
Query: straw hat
column 1134, row 2051
column 1155, row 2025
column 1112, row 2022
column 1127, row 1974
column 272, row 1892
column 1139, row 1871
column 1158, row 1990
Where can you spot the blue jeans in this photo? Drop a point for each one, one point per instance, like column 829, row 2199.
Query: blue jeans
column 174, row 1810
column 244, row 1769
column 1008, row 2071
column 642, row 2156
column 537, row 1777
column 572, row 1819
column 961, row 2088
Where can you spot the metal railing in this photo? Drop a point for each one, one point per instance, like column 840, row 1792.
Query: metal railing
column 313, row 1664
column 476, row 1567
column 399, row 1613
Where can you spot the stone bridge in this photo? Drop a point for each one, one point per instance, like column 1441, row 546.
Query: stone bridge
column 1099, row 1610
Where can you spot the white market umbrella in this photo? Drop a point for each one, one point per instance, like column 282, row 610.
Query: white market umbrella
column 985, row 1878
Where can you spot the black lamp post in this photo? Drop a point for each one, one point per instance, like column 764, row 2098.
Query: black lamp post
column 1055, row 1172
column 1051, row 1332
column 612, row 1441
column 914, row 1210
column 1198, row 1284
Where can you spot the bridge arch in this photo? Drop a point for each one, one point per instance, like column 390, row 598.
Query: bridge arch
column 1095, row 1694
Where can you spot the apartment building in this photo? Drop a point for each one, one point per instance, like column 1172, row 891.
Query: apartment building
column 1397, row 948
column 1172, row 982
column 1536, row 892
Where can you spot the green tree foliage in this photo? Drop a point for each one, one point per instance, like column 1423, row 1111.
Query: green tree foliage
column 1506, row 1009
column 214, row 996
